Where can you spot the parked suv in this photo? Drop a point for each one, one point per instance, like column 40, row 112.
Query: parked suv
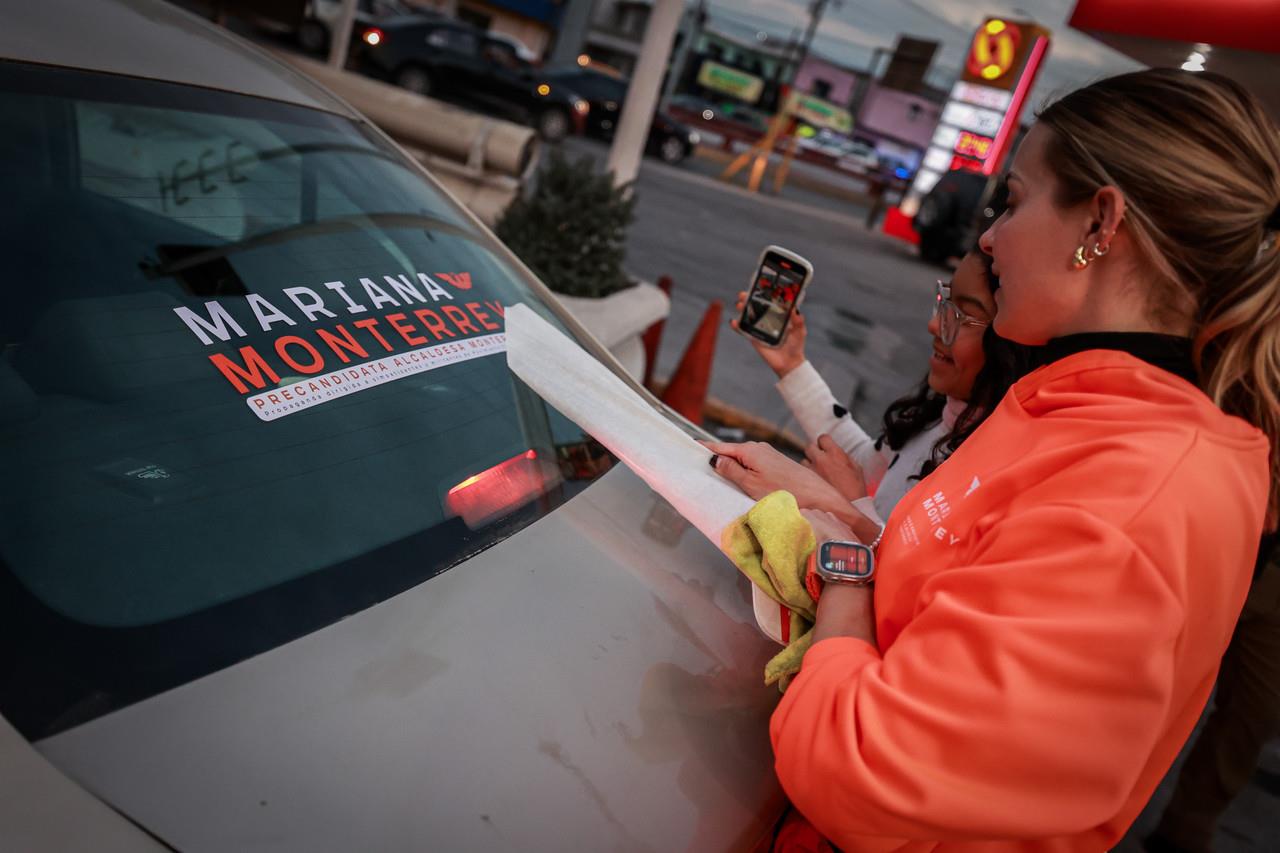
column 947, row 220
column 457, row 62
column 606, row 94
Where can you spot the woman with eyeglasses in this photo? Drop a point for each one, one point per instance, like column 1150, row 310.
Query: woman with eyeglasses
column 1050, row 606
column 970, row 369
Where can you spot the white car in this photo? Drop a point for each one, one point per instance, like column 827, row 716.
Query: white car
column 849, row 154
column 858, row 156
column 289, row 559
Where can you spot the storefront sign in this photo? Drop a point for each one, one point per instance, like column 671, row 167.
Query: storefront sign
column 820, row 113
column 731, row 81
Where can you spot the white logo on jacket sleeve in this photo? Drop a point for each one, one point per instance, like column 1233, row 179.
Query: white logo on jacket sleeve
column 973, row 487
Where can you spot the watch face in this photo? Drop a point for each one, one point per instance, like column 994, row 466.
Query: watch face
column 849, row 559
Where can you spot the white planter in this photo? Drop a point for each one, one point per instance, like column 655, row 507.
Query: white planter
column 618, row 320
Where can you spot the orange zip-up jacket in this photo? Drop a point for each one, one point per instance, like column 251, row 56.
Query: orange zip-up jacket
column 1051, row 607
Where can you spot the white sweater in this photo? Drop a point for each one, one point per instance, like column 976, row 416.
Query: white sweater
column 886, row 470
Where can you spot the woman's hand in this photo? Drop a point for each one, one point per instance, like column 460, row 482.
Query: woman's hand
column 835, row 466
column 786, row 356
column 758, row 469
column 827, row 525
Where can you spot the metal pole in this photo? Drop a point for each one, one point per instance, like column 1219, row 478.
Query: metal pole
column 340, row 38
column 642, row 96
column 575, row 20
column 816, row 8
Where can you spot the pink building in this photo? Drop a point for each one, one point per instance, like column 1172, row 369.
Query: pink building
column 897, row 116
column 826, row 80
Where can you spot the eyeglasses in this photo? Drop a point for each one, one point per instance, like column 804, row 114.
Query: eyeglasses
column 951, row 318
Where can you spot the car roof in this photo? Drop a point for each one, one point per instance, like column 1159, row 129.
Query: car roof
column 153, row 40
column 420, row 19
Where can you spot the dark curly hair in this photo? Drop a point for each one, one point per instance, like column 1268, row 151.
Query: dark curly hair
column 908, row 416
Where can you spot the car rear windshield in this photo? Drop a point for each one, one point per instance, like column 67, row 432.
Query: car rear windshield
column 252, row 379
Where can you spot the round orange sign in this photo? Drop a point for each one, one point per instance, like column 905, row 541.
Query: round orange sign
column 995, row 46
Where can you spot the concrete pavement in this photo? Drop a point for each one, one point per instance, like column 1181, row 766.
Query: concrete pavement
column 867, row 307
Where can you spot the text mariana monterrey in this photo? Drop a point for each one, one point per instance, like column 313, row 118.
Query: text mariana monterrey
column 351, row 331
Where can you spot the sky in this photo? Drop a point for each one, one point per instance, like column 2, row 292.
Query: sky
column 851, row 29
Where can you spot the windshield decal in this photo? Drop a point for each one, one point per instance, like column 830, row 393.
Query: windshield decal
column 305, row 393
column 461, row 280
column 341, row 338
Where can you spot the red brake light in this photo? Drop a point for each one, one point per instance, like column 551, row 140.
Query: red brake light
column 372, row 37
column 498, row 490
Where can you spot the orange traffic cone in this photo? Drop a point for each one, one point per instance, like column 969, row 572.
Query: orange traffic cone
column 687, row 390
column 652, row 337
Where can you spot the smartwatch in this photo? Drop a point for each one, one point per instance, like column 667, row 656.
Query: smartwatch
column 844, row 562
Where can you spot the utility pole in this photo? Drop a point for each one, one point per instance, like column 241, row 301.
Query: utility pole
column 340, row 38
column 575, row 20
column 816, row 10
column 642, row 96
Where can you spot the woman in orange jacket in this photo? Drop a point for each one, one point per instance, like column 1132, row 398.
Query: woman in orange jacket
column 1051, row 604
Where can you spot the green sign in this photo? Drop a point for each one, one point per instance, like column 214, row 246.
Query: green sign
column 722, row 78
column 820, row 113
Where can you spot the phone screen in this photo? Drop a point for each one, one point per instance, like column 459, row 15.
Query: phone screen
column 773, row 294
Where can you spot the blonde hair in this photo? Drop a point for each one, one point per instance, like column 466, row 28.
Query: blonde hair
column 1198, row 162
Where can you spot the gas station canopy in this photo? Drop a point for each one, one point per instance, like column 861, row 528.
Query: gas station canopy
column 1238, row 38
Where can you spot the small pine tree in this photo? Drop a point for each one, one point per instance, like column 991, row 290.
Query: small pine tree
column 572, row 230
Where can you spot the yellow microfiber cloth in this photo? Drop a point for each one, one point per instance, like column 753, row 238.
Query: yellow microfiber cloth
column 771, row 545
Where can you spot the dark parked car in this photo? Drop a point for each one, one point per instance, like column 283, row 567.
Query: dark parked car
column 457, row 62
column 322, row 16
column 949, row 219
column 605, row 93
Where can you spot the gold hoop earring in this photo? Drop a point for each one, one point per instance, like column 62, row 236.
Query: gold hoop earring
column 1099, row 249
column 1081, row 260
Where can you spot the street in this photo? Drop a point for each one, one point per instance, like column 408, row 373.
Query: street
column 867, row 305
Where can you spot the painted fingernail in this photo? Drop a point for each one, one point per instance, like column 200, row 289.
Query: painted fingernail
column 715, row 457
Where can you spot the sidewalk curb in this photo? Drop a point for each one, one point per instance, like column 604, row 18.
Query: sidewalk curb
column 799, row 179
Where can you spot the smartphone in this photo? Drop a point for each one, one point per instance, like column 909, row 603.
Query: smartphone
column 776, row 288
